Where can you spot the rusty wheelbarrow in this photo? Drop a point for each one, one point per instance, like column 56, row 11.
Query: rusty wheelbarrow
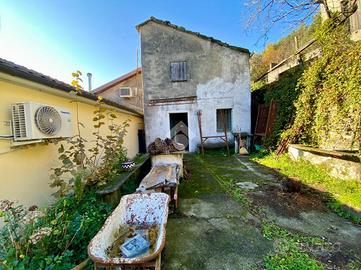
column 162, row 178
column 140, row 210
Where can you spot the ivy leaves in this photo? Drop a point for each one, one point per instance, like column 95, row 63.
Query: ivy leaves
column 328, row 109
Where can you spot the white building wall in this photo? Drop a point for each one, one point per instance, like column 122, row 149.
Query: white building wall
column 216, row 94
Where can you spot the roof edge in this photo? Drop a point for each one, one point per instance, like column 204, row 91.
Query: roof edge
column 22, row 72
column 114, row 82
column 183, row 29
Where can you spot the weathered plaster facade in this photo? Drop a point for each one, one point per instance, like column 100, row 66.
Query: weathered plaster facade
column 218, row 77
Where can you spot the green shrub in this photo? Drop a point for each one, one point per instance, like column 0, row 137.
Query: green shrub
column 54, row 239
column 83, row 163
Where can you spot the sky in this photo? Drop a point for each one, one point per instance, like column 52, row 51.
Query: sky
column 57, row 37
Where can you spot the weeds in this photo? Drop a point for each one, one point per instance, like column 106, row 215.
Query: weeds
column 226, row 183
column 289, row 249
column 338, row 192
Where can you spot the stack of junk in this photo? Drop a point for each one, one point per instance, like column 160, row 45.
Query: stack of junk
column 134, row 234
column 166, row 146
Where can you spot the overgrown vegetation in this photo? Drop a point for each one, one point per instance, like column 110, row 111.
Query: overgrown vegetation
column 57, row 237
column 284, row 92
column 339, row 193
column 319, row 103
column 285, row 47
column 328, row 110
column 87, row 163
column 54, row 239
column 291, row 250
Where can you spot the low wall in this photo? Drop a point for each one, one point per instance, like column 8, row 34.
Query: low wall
column 124, row 183
column 340, row 164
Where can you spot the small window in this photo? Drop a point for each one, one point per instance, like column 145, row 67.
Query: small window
column 224, row 118
column 125, row 92
column 178, row 71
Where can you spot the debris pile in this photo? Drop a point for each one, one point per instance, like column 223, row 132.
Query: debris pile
column 165, row 146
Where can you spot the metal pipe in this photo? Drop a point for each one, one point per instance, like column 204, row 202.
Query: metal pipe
column 89, row 81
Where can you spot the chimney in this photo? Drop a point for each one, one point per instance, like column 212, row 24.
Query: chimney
column 89, row 81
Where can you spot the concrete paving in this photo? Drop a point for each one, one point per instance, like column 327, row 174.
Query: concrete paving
column 214, row 230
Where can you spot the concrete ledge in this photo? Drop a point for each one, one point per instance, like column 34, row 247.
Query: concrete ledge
column 339, row 164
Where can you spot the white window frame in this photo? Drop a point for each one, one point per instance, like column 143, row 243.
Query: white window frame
column 125, row 87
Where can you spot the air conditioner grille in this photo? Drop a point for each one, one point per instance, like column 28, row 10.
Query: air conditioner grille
column 19, row 121
column 48, row 120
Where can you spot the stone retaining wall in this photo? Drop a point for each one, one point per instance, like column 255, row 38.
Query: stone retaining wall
column 339, row 164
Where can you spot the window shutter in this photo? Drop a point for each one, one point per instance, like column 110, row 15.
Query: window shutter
column 178, row 71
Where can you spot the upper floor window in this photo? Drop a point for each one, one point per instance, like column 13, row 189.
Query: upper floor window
column 126, row 92
column 178, row 71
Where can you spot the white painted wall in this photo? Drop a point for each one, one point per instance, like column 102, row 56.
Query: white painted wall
column 216, row 94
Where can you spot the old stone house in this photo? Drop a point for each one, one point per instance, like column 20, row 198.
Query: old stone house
column 126, row 90
column 185, row 72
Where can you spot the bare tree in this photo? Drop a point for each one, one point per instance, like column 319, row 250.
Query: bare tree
column 292, row 12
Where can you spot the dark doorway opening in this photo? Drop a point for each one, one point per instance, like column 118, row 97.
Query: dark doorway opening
column 141, row 141
column 179, row 128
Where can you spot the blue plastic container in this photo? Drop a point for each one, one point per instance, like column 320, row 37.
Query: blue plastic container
column 135, row 246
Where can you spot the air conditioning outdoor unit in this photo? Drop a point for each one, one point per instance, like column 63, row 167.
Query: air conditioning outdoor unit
column 33, row 121
column 126, row 92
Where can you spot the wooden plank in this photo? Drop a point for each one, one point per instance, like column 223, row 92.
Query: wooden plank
column 271, row 118
column 262, row 117
column 225, row 132
column 82, row 265
column 158, row 262
column 199, row 115
column 173, row 71
column 183, row 71
column 255, row 127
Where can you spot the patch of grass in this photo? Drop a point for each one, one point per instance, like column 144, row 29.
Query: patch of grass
column 272, row 231
column 340, row 192
column 289, row 252
column 200, row 183
column 140, row 158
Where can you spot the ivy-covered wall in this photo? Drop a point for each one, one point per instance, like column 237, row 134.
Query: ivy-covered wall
column 284, row 92
column 319, row 104
column 328, row 109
